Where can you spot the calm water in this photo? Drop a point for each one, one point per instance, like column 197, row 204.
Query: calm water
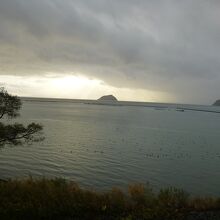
column 103, row 146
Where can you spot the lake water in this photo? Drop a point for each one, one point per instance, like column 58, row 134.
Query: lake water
column 102, row 146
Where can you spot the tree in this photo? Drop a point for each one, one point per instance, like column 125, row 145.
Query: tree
column 16, row 133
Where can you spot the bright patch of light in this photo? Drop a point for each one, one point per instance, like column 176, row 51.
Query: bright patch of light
column 76, row 87
column 74, row 82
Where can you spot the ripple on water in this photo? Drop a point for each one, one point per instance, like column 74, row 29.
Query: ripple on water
column 99, row 146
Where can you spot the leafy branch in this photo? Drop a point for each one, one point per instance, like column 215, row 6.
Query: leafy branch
column 16, row 133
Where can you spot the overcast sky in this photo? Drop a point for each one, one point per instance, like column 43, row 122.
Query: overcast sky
column 160, row 50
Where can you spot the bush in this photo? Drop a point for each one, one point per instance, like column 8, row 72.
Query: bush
column 60, row 199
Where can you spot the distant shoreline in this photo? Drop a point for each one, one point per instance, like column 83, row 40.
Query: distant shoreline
column 161, row 106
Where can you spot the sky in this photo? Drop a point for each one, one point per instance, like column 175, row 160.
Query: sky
column 138, row 50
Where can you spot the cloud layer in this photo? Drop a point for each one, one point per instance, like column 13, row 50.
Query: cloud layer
column 163, row 46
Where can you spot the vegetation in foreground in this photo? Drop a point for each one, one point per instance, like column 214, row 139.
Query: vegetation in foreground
column 60, row 199
column 17, row 133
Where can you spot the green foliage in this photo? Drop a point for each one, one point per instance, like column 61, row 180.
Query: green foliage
column 15, row 134
column 60, row 199
column 9, row 104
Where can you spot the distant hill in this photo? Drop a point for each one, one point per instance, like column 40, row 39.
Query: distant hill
column 217, row 103
column 107, row 98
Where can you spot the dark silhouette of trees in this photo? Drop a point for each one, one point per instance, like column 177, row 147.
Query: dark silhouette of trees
column 16, row 133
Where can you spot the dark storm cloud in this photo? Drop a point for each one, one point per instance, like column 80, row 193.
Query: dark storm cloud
column 170, row 46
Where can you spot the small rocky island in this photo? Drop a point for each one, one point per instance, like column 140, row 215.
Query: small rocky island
column 217, row 103
column 104, row 100
column 107, row 98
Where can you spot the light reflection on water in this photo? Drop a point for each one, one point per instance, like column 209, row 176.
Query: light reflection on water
column 104, row 146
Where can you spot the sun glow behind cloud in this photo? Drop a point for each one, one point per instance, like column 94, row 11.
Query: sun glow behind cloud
column 142, row 50
column 75, row 87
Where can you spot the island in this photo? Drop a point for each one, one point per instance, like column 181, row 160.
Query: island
column 217, row 103
column 107, row 98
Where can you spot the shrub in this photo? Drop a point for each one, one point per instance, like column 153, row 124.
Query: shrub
column 60, row 199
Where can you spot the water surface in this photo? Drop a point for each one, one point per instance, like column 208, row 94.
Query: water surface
column 103, row 146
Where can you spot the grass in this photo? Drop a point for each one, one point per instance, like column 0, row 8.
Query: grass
column 60, row 199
